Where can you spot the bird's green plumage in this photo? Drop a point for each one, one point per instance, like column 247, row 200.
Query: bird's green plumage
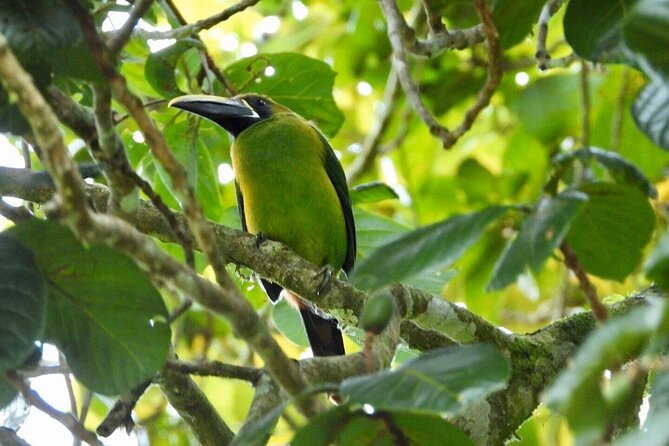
column 281, row 170
column 290, row 188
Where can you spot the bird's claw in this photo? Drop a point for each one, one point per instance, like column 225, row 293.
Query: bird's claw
column 323, row 275
column 259, row 239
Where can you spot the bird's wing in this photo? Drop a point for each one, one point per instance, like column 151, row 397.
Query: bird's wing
column 272, row 289
column 338, row 179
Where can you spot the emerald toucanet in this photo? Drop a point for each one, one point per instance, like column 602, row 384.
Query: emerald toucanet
column 290, row 188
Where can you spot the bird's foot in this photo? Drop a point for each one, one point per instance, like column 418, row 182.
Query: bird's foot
column 259, row 238
column 323, row 276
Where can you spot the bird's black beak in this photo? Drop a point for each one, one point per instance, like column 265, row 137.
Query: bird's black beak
column 213, row 107
column 233, row 114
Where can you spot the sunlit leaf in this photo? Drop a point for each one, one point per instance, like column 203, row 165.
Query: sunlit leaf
column 372, row 193
column 299, row 82
column 616, row 223
column 427, row 249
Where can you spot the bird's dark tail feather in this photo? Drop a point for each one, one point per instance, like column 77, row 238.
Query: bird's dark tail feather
column 324, row 335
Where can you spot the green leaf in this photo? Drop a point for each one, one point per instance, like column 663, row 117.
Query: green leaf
column 373, row 230
column 372, row 193
column 22, row 303
column 257, row 433
column 514, row 19
column 657, row 265
column 646, row 31
column 541, row 233
column 593, row 28
column 7, row 391
column 610, row 232
column 443, row 380
column 425, row 250
column 651, row 112
column 287, row 319
column 577, row 392
column 102, row 312
column 299, row 82
column 476, row 181
column 160, row 67
column 345, row 425
column 620, row 169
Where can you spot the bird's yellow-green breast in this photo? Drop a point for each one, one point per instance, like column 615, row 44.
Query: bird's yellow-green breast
column 288, row 196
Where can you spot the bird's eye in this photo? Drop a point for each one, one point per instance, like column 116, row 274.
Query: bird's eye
column 261, row 103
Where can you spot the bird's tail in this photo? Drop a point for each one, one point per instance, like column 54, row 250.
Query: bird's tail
column 324, row 335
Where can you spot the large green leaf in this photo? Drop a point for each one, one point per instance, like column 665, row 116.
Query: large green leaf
column 542, row 232
column 345, row 425
column 578, row 392
column 646, row 32
column 443, row 380
column 22, row 303
column 424, row 250
column 299, row 82
column 651, row 112
column 611, row 230
column 102, row 312
column 514, row 19
column 657, row 265
column 593, row 28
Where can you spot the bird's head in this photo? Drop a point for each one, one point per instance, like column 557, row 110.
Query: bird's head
column 234, row 114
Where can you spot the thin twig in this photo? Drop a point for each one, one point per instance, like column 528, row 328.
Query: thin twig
column 121, row 37
column 121, row 413
column 70, row 422
column 9, row 437
column 619, row 111
column 216, row 368
column 208, row 62
column 542, row 55
column 370, row 147
column 571, row 260
column 585, row 102
column 434, row 22
column 200, row 25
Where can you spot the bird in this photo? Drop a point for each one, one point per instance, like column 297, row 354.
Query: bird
column 290, row 188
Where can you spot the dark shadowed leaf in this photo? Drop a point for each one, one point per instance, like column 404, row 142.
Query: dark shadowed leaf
column 620, row 169
column 593, row 28
column 515, row 19
column 424, row 250
column 22, row 303
column 348, row 426
column 615, row 224
column 651, row 112
column 646, row 30
column 372, row 193
column 443, row 380
column 102, row 312
column 299, row 82
column 7, row 391
column 257, row 433
column 542, row 232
